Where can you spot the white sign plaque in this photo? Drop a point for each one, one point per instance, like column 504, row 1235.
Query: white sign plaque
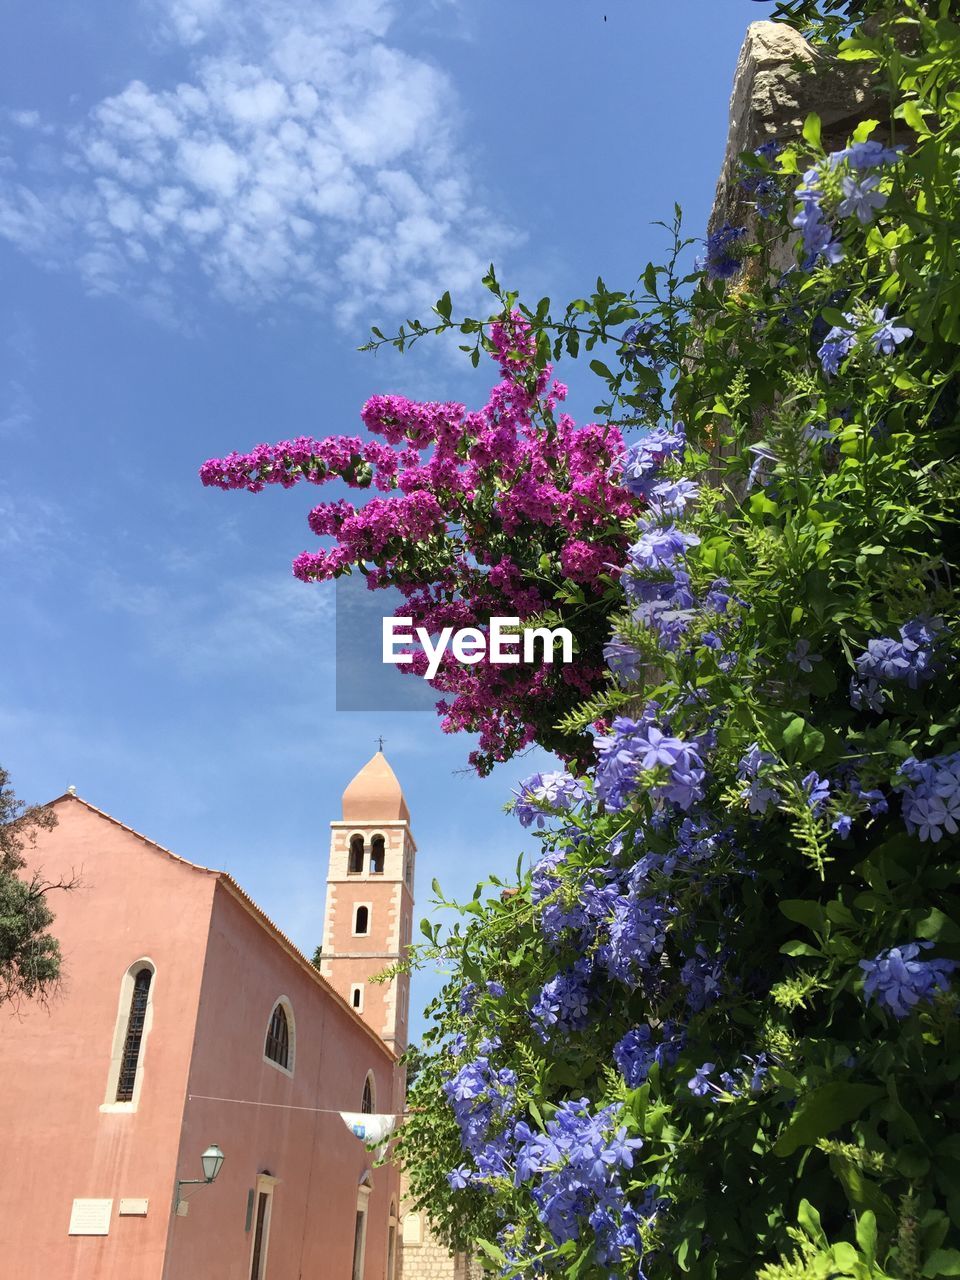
column 90, row 1218
column 134, row 1206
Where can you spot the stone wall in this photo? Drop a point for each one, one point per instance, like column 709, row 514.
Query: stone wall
column 779, row 80
column 422, row 1256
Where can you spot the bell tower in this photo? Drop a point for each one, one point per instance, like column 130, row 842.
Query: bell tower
column 369, row 913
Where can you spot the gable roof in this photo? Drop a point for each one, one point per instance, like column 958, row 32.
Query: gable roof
column 224, row 879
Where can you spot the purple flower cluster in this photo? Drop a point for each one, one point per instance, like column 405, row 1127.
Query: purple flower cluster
column 860, row 198
column 885, row 334
column 574, row 1167
column 702, row 975
column 757, row 792
column 763, row 186
column 749, row 1081
column 563, row 1004
column 911, row 659
column 634, row 748
column 931, row 803
column 543, row 792
column 898, row 980
column 637, row 1052
column 639, row 466
column 478, row 1095
column 724, row 256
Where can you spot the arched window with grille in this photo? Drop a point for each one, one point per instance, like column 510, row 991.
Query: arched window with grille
column 369, row 1099
column 355, row 865
column 377, row 855
column 134, row 1037
column 279, row 1044
column 134, row 1017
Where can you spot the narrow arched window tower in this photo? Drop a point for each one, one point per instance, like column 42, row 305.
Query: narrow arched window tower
column 368, row 921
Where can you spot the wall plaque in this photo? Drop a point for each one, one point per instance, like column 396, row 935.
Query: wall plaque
column 90, row 1218
column 133, row 1206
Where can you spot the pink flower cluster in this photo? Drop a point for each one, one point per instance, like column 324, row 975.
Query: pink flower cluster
column 488, row 512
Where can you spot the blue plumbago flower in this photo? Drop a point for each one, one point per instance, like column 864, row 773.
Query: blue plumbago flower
column 623, row 659
column 659, row 546
column 635, row 747
column 861, row 198
column 574, row 1169
column 637, row 1052
column 701, row 976
column 718, row 598
column 496, row 989
column 564, row 1002
column 865, row 155
column 801, row 656
column 479, row 1094
column 634, row 334
column 758, row 794
column 639, row 466
column 836, row 346
column 753, row 761
column 671, row 497
column 866, row 694
column 724, row 256
column 817, row 789
column 763, row 460
column 888, row 334
column 875, row 800
column 912, row 658
column 898, row 980
column 816, row 433
column 843, row 825
column 699, row 1084
column 542, row 792
column 637, row 936
column 459, row 1177
column 468, row 997
column 931, row 804
column 764, row 187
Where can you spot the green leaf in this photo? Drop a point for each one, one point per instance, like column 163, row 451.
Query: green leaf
column 493, row 1251
column 864, row 129
column 809, row 1220
column 804, row 912
column 811, row 130
column 867, row 1235
column 601, row 369
column 913, row 117
column 444, row 306
column 823, row 1111
column 942, row 1262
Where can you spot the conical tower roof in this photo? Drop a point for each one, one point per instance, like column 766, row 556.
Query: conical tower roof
column 374, row 795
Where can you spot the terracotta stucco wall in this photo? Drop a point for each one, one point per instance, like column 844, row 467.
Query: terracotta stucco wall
column 133, row 901
column 319, row 1164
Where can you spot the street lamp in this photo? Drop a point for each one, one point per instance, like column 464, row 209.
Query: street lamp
column 211, row 1160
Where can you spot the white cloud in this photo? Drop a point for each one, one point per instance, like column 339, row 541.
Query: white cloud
column 304, row 158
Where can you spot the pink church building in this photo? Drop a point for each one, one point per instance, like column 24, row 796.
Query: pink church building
column 187, row 1021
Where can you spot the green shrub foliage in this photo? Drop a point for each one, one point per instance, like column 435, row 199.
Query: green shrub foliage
column 713, row 1030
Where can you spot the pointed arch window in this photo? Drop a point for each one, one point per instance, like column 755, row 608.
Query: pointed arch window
column 277, row 1047
column 355, row 865
column 133, row 1040
column 368, row 1101
column 377, row 855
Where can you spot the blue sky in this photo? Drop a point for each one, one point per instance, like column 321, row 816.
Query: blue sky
column 204, row 204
